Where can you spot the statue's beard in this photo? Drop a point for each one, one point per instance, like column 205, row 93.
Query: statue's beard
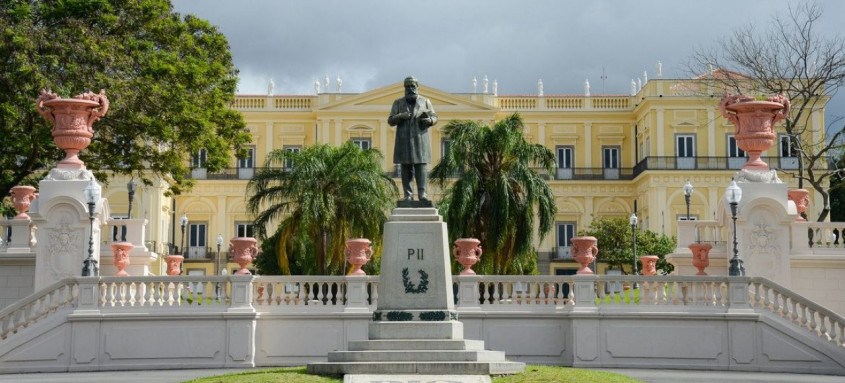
column 411, row 96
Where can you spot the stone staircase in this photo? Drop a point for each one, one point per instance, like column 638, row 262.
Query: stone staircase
column 416, row 347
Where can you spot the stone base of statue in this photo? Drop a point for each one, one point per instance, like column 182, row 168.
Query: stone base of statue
column 414, row 204
column 415, row 328
column 758, row 176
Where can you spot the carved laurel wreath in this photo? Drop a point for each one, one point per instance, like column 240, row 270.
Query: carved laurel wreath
column 409, row 286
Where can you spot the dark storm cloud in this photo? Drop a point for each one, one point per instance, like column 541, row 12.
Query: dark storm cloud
column 446, row 42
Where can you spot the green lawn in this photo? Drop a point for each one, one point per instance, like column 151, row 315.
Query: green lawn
column 532, row 374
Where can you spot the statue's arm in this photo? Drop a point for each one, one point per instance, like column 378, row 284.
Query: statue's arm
column 431, row 115
column 393, row 119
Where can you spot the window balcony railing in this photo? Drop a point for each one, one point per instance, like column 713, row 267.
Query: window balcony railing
column 222, row 174
column 709, row 163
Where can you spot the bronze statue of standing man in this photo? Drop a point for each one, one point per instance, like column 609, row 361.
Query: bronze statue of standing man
column 412, row 115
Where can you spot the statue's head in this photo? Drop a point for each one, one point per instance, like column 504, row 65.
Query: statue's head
column 411, row 85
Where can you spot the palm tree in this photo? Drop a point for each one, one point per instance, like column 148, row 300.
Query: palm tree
column 497, row 195
column 325, row 195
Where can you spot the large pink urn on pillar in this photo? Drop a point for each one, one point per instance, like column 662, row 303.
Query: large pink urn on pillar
column 243, row 250
column 700, row 256
column 22, row 197
column 467, row 252
column 72, row 120
column 754, row 124
column 584, row 251
column 801, row 199
column 173, row 264
column 120, row 252
column 358, row 252
column 649, row 264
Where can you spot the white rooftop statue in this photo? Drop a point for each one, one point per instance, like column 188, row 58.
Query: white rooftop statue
column 645, row 76
column 317, row 86
column 495, row 87
column 474, row 85
column 633, row 87
column 587, row 87
column 486, row 83
column 659, row 69
column 540, row 87
column 270, row 87
column 639, row 84
column 326, row 83
column 339, row 83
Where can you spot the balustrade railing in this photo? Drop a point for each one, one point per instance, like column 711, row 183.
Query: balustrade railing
column 26, row 312
column 826, row 235
column 333, row 294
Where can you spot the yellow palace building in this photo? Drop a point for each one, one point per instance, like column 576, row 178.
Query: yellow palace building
column 616, row 154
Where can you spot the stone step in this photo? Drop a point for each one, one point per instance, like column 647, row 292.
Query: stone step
column 416, row 330
column 417, row 356
column 427, row 368
column 415, row 344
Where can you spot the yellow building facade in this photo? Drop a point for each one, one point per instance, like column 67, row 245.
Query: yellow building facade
column 616, row 154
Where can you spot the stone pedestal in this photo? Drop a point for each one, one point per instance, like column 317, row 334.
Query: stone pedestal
column 61, row 215
column 415, row 329
column 763, row 230
column 22, row 239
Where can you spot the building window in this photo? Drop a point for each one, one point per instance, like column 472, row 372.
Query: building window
column 565, row 155
column 610, row 162
column 565, row 232
column 248, row 162
column 199, row 158
column 291, row 149
column 363, row 143
column 685, row 151
column 683, row 217
column 733, row 149
column 685, row 145
column 788, row 152
column 243, row 229
column 197, row 240
column 445, row 146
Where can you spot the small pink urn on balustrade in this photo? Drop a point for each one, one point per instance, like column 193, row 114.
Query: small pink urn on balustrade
column 173, row 264
column 649, row 264
column 72, row 120
column 22, row 197
column 584, row 251
column 801, row 199
column 754, row 124
column 120, row 252
column 700, row 256
column 243, row 250
column 358, row 252
column 467, row 252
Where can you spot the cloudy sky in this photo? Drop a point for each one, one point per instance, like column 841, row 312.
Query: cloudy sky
column 445, row 43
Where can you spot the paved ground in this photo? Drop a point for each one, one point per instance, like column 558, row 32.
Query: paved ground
column 650, row 376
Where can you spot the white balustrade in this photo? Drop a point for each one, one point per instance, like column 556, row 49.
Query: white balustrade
column 191, row 292
column 26, row 312
column 317, row 292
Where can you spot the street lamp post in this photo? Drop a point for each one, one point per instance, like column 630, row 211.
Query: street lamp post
column 687, row 195
column 184, row 221
column 92, row 195
column 633, row 222
column 130, row 188
column 733, row 195
column 219, row 258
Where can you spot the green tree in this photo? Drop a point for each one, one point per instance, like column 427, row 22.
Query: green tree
column 615, row 244
column 497, row 196
column 170, row 80
column 837, row 191
column 307, row 210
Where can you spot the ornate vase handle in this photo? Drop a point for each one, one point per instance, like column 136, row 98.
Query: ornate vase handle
column 478, row 251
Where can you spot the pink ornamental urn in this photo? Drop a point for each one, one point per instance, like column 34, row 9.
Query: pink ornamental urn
column 72, row 120
column 800, row 197
column 584, row 251
column 649, row 264
column 243, row 250
column 754, row 124
column 120, row 251
column 173, row 263
column 22, row 197
column 467, row 252
column 358, row 252
column 700, row 256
